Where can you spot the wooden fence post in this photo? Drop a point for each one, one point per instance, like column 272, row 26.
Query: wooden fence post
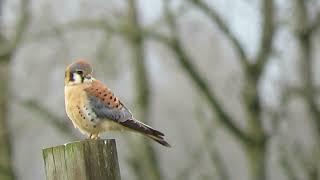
column 83, row 160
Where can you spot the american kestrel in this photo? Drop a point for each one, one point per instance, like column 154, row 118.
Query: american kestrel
column 94, row 109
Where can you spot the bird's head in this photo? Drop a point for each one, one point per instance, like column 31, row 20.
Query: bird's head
column 78, row 72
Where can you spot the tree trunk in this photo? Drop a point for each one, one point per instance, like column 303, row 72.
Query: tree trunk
column 256, row 152
column 6, row 171
column 256, row 156
column 145, row 162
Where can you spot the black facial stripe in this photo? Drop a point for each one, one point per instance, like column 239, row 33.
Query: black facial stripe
column 71, row 77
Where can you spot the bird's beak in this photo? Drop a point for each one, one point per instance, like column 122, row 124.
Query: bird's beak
column 88, row 76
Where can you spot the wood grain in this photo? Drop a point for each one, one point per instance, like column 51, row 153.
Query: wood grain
column 83, row 160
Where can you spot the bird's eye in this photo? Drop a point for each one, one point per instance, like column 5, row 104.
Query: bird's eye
column 80, row 72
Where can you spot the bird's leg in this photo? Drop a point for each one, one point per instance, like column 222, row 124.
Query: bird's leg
column 90, row 137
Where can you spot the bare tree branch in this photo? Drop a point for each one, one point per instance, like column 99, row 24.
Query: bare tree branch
column 316, row 24
column 307, row 161
column 137, row 43
column 251, row 97
column 82, row 24
column 150, row 169
column 184, row 59
column 267, row 29
column 216, row 19
column 304, row 39
column 48, row 116
column 209, row 144
column 287, row 165
column 158, row 36
column 5, row 141
column 7, row 47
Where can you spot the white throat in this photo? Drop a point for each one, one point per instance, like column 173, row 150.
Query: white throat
column 77, row 78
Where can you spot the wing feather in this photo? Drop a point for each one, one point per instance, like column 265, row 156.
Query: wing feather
column 105, row 105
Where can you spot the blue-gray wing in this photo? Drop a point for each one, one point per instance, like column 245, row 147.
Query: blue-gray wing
column 105, row 110
column 106, row 106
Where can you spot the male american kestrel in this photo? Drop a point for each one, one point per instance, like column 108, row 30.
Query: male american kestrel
column 93, row 108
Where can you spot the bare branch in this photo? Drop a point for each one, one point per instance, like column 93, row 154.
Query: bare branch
column 287, row 165
column 267, row 29
column 48, row 116
column 185, row 61
column 216, row 19
column 151, row 167
column 304, row 39
column 307, row 161
column 83, row 24
column 278, row 116
column 209, row 144
column 157, row 36
column 94, row 24
column 300, row 91
column 137, row 45
column 316, row 24
column 8, row 47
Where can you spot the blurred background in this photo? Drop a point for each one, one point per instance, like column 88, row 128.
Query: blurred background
column 234, row 84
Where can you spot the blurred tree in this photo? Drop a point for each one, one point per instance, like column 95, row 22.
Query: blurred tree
column 304, row 31
column 8, row 47
column 144, row 161
column 254, row 139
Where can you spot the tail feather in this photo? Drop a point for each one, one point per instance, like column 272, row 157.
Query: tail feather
column 160, row 140
column 146, row 130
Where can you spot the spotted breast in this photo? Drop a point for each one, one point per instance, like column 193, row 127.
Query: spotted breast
column 79, row 110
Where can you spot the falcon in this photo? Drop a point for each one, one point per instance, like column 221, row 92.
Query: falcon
column 94, row 109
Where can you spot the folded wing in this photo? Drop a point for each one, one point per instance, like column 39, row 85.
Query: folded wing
column 106, row 106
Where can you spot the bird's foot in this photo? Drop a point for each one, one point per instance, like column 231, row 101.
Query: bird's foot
column 94, row 136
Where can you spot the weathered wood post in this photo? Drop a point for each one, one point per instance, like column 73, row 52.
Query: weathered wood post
column 83, row 160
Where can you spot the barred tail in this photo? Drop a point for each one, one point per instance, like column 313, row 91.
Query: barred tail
column 145, row 130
